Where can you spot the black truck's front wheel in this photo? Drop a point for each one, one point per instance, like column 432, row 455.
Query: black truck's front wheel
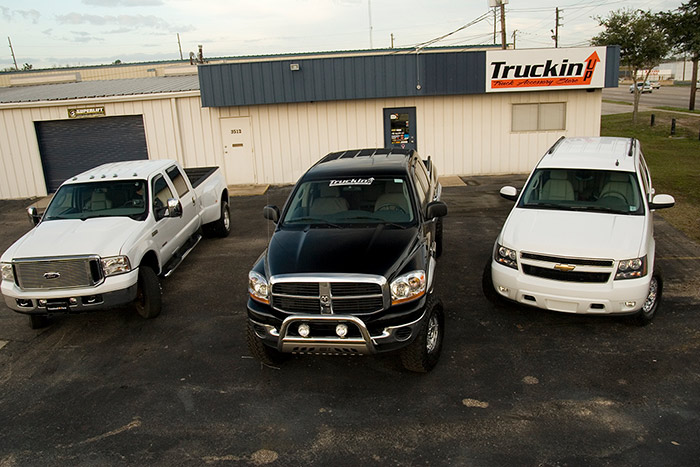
column 424, row 352
column 262, row 352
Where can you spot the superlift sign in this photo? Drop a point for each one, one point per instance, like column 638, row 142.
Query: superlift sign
column 545, row 69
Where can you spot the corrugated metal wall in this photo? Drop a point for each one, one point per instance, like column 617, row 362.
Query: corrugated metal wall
column 464, row 134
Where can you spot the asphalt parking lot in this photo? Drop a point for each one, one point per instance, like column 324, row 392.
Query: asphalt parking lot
column 515, row 386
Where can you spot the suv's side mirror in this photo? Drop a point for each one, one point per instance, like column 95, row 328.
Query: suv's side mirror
column 510, row 193
column 34, row 216
column 436, row 209
column 272, row 213
column 662, row 202
column 174, row 208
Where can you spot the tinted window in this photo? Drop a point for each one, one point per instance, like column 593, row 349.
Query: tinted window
column 178, row 180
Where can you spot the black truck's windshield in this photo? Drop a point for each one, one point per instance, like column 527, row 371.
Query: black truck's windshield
column 100, row 199
column 351, row 201
column 605, row 191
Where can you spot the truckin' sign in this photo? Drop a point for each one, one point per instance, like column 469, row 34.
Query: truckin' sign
column 545, row 69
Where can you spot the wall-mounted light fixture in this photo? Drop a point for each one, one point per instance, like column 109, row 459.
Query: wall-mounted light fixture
column 294, row 66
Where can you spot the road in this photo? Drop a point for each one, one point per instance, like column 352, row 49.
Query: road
column 666, row 96
column 515, row 386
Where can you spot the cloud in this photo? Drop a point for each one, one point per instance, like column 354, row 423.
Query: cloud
column 83, row 37
column 126, row 22
column 126, row 3
column 31, row 15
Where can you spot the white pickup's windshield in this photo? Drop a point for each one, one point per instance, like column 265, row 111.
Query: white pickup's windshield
column 583, row 190
column 99, row 199
column 351, row 201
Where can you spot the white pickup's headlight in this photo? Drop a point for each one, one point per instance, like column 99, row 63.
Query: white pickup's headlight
column 258, row 288
column 114, row 265
column 8, row 274
column 506, row 256
column 631, row 268
column 408, row 287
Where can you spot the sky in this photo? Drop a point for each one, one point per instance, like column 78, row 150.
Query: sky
column 59, row 33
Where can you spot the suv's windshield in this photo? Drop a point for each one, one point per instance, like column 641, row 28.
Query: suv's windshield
column 351, row 201
column 583, row 190
column 99, row 199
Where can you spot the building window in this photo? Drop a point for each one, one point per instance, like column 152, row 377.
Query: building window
column 539, row 117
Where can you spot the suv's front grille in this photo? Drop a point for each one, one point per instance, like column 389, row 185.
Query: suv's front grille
column 58, row 273
column 568, row 276
column 327, row 297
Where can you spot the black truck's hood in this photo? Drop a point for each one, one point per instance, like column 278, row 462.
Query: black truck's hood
column 365, row 250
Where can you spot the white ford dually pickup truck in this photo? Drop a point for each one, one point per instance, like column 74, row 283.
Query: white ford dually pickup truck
column 580, row 238
column 107, row 235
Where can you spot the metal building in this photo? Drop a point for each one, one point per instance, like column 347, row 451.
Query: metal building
column 266, row 120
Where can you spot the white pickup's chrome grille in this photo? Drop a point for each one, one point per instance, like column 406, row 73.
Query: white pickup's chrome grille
column 58, row 273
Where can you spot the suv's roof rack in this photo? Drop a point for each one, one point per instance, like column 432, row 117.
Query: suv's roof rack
column 554, row 146
column 633, row 143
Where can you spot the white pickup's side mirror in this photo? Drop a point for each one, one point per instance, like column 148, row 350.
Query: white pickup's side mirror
column 34, row 217
column 662, row 202
column 510, row 193
column 174, row 208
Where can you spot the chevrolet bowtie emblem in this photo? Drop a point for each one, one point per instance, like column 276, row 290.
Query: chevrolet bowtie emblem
column 564, row 267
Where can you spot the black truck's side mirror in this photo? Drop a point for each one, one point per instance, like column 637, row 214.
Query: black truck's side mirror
column 436, row 209
column 272, row 213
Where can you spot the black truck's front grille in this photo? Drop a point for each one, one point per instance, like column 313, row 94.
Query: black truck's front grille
column 58, row 273
column 327, row 297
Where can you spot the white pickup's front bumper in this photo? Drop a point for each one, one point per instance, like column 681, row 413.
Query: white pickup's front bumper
column 114, row 291
column 613, row 297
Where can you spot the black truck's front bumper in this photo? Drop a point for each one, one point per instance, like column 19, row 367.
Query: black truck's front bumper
column 393, row 329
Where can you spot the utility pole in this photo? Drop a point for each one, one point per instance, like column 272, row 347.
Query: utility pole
column 495, row 21
column 179, row 45
column 503, row 23
column 13, row 52
column 392, row 40
column 369, row 8
column 556, row 29
column 514, row 31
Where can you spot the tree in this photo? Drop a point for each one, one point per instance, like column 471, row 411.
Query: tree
column 682, row 28
column 642, row 43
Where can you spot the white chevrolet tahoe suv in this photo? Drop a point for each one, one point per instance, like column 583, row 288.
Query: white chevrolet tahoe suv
column 107, row 235
column 580, row 238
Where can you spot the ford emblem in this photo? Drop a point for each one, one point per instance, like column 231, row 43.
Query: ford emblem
column 52, row 275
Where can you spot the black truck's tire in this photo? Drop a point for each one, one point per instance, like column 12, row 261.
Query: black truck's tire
column 651, row 304
column 438, row 238
column 38, row 321
column 149, row 299
column 423, row 353
column 221, row 227
column 260, row 351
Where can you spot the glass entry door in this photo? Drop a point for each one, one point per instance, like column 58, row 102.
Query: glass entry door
column 400, row 128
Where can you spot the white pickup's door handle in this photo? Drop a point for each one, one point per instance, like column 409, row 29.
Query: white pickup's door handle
column 193, row 201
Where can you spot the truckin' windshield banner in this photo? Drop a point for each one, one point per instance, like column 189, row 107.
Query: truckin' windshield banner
column 537, row 70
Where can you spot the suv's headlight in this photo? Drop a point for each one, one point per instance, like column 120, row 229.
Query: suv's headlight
column 631, row 268
column 8, row 274
column 114, row 265
column 408, row 287
column 506, row 256
column 258, row 287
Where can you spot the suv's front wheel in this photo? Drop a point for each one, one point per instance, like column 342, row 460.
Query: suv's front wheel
column 651, row 304
column 424, row 352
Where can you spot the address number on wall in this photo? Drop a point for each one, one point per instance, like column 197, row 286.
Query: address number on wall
column 236, row 131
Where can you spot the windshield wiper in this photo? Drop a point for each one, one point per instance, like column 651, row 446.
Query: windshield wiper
column 599, row 209
column 378, row 221
column 547, row 206
column 314, row 221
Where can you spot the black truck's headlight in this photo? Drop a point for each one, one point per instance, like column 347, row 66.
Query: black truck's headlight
column 408, row 287
column 114, row 265
column 631, row 268
column 8, row 274
column 506, row 256
column 258, row 287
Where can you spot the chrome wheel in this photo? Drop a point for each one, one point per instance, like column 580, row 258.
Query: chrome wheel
column 650, row 302
column 433, row 334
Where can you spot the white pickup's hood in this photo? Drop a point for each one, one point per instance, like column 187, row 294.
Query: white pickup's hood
column 575, row 234
column 103, row 236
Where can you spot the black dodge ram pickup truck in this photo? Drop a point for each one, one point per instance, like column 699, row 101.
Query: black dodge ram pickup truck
column 350, row 266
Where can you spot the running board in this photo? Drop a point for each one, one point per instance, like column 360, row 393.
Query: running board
column 181, row 254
